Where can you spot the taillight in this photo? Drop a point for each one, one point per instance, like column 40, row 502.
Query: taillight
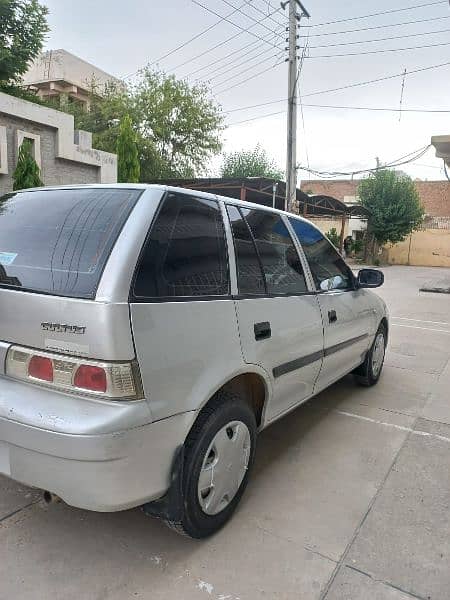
column 88, row 377
column 40, row 367
column 113, row 380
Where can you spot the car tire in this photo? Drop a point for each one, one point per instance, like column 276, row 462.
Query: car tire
column 368, row 374
column 213, row 458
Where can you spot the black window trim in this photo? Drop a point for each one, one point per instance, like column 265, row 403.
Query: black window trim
column 318, row 291
column 255, row 248
column 133, row 299
column 294, row 240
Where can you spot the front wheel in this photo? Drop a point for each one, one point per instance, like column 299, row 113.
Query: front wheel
column 219, row 453
column 369, row 372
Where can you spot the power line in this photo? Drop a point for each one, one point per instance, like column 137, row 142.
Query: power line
column 305, row 143
column 219, row 45
column 376, row 27
column 264, row 60
column 345, row 87
column 269, row 9
column 377, row 14
column 357, row 108
column 352, row 85
column 381, row 109
column 261, row 24
column 408, row 158
column 395, row 37
column 192, row 39
column 378, row 51
column 219, row 60
column 250, row 78
column 258, row 37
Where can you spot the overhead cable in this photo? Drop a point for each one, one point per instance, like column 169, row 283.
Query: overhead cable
column 377, row 14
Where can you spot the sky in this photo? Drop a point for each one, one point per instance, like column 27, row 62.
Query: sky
column 123, row 37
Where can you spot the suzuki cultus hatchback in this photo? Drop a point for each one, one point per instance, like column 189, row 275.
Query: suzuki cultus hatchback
column 147, row 334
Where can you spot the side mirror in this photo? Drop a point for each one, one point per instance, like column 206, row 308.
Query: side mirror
column 370, row 278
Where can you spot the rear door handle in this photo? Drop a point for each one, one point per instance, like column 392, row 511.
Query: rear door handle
column 262, row 331
column 332, row 316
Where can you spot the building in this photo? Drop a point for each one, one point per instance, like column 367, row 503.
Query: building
column 442, row 145
column 430, row 246
column 62, row 75
column 64, row 156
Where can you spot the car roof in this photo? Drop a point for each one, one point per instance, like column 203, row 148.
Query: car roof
column 168, row 188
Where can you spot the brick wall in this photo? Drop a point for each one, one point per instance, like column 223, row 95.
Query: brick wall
column 54, row 171
column 435, row 195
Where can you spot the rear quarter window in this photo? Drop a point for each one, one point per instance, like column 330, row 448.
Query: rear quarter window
column 58, row 241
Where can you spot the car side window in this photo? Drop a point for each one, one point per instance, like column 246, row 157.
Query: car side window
column 327, row 266
column 249, row 270
column 185, row 253
column 281, row 264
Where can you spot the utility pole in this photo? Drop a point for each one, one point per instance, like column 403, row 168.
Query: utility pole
column 291, row 160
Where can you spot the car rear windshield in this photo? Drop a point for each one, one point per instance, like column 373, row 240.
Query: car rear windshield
column 58, row 241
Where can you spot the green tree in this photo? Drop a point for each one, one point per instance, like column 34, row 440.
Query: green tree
column 177, row 126
column 394, row 204
column 23, row 27
column 250, row 163
column 27, row 173
column 129, row 168
column 334, row 237
column 181, row 121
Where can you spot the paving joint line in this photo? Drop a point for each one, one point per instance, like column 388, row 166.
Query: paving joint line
column 358, row 528
column 387, row 583
column 18, row 510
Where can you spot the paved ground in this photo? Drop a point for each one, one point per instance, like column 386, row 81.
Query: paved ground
column 350, row 498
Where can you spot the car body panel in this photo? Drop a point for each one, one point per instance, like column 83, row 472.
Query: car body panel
column 296, row 333
column 111, row 455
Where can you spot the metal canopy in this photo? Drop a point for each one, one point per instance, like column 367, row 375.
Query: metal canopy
column 260, row 191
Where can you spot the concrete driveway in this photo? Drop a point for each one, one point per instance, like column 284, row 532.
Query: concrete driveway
column 350, row 498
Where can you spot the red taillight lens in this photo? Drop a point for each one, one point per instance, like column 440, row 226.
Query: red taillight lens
column 88, row 377
column 40, row 367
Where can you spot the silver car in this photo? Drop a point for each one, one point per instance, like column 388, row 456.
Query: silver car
column 148, row 333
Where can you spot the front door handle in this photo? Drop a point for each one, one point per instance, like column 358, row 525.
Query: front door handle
column 262, row 331
column 332, row 316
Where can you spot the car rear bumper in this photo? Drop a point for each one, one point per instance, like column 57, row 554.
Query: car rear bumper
column 76, row 457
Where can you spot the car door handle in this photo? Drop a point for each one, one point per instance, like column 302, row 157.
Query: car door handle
column 262, row 331
column 332, row 316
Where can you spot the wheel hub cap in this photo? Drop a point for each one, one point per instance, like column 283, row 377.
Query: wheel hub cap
column 378, row 354
column 224, row 467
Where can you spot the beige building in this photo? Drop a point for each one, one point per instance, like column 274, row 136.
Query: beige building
column 60, row 74
column 63, row 155
column 430, row 245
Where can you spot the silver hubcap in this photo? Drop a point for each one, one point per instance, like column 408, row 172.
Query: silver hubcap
column 224, row 467
column 378, row 354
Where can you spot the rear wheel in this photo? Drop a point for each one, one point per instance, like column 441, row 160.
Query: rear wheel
column 369, row 372
column 219, row 453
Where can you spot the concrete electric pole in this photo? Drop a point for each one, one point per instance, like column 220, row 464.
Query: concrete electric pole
column 291, row 161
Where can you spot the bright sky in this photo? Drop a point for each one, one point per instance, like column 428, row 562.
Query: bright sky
column 120, row 38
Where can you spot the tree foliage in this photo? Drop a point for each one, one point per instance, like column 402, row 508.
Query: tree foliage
column 23, row 26
column 394, row 204
column 177, row 126
column 27, row 173
column 250, row 163
column 127, row 153
column 334, row 237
